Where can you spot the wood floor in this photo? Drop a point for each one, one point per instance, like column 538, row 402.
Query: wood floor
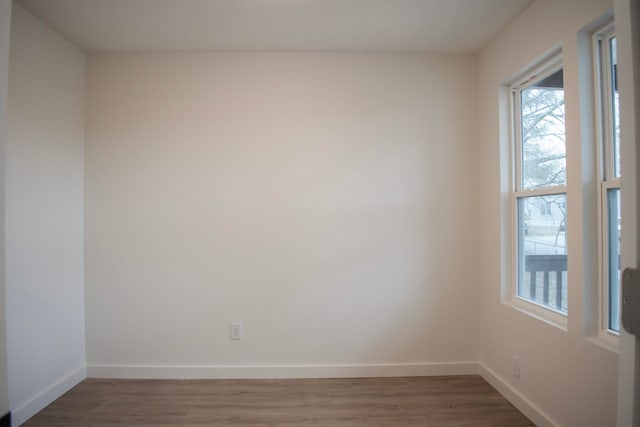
column 416, row 401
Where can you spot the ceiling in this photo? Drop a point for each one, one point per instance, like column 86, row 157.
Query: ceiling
column 278, row 25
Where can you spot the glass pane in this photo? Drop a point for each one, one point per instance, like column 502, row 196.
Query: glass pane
column 543, row 133
column 615, row 103
column 613, row 209
column 542, row 250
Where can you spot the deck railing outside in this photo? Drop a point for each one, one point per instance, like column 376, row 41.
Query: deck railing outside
column 546, row 280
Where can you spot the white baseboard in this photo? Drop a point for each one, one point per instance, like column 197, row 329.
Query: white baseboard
column 38, row 402
column 281, row 371
column 517, row 399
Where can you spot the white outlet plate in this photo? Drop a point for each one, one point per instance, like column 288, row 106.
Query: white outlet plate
column 516, row 367
column 235, row 331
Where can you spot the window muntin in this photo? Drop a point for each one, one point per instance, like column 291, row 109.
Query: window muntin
column 540, row 188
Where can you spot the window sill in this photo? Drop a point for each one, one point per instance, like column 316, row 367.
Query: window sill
column 539, row 312
column 605, row 340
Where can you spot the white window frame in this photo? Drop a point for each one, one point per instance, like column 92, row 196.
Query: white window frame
column 605, row 172
column 544, row 69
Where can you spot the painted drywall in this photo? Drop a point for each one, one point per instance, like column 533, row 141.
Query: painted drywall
column 5, row 33
column 628, row 39
column 44, row 209
column 568, row 379
column 326, row 201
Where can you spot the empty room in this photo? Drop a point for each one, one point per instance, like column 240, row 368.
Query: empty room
column 319, row 212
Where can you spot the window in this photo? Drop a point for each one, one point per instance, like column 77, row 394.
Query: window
column 545, row 207
column 539, row 189
column 609, row 175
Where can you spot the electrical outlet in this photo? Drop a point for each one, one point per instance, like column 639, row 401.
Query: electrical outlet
column 516, row 367
column 235, row 331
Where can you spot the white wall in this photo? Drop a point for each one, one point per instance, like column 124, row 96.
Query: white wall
column 5, row 32
column 628, row 40
column 324, row 200
column 568, row 379
column 44, row 208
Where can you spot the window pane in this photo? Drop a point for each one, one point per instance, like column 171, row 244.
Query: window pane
column 613, row 210
column 543, row 133
column 615, row 103
column 542, row 250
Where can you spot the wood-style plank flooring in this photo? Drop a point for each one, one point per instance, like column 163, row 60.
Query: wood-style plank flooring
column 416, row 401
